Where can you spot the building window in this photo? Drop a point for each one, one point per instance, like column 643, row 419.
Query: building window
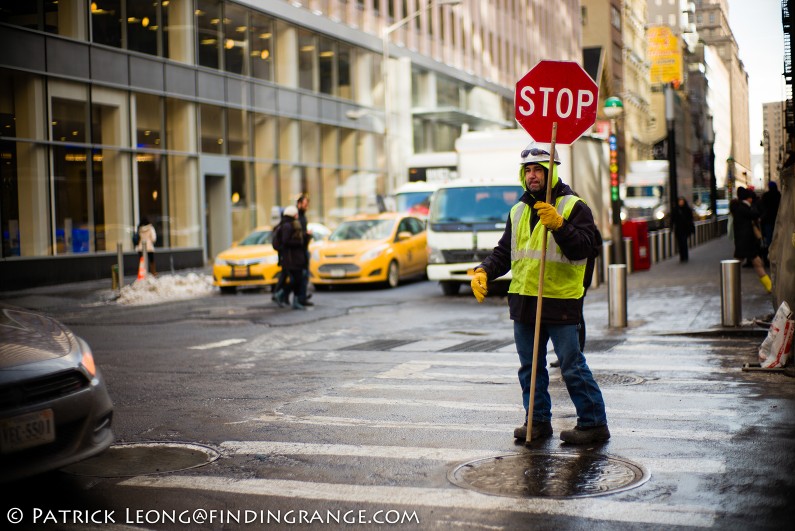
column 69, row 120
column 261, row 43
column 142, row 27
column 208, row 31
column 307, row 55
column 237, row 133
column 148, row 121
column 345, row 88
column 71, row 199
column 327, row 59
column 106, row 22
column 447, row 92
column 212, row 118
column 615, row 18
column 235, row 39
column 151, row 195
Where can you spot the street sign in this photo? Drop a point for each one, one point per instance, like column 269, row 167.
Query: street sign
column 556, row 91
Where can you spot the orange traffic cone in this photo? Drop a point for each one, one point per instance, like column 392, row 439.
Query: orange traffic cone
column 141, row 269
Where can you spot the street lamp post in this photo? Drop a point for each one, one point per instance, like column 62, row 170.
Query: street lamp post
column 672, row 176
column 766, row 145
column 613, row 109
column 391, row 179
column 709, row 137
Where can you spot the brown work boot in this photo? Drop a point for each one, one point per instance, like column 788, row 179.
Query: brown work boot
column 585, row 435
column 541, row 430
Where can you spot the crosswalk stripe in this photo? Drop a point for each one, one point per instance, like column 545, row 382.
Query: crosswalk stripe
column 469, row 387
column 451, row 498
column 416, row 369
column 696, row 466
column 673, row 414
column 683, row 435
column 219, row 344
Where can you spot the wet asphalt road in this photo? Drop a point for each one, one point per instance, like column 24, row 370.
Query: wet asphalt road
column 364, row 407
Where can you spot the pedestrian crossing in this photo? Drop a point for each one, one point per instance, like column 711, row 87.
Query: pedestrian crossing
column 467, row 397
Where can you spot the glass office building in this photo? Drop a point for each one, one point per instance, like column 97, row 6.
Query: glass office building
column 205, row 116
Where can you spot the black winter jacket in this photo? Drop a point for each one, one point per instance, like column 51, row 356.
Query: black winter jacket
column 577, row 238
column 293, row 250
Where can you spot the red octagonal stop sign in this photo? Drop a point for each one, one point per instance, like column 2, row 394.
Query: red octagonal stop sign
column 556, row 91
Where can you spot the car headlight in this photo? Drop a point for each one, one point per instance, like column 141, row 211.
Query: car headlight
column 315, row 255
column 435, row 256
column 660, row 214
column 87, row 359
column 220, row 262
column 623, row 214
column 374, row 252
column 271, row 259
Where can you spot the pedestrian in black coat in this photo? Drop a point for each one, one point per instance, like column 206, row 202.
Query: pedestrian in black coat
column 682, row 219
column 292, row 254
column 746, row 244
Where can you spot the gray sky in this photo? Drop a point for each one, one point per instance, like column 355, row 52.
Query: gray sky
column 759, row 33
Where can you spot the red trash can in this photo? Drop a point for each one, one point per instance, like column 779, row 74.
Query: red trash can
column 638, row 230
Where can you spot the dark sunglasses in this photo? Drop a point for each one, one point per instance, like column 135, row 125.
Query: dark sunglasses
column 534, row 152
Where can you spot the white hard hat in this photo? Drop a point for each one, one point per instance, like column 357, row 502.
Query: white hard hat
column 536, row 153
column 291, row 211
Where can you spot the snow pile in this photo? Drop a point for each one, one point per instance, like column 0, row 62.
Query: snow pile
column 166, row 288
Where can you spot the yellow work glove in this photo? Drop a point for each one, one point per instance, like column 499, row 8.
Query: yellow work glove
column 479, row 287
column 549, row 216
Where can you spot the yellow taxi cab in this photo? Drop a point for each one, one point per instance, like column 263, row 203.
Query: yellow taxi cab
column 371, row 248
column 251, row 262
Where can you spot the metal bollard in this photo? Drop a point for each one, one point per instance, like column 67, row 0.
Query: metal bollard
column 120, row 264
column 595, row 275
column 653, row 245
column 730, row 300
column 114, row 277
column 628, row 254
column 606, row 250
column 617, row 296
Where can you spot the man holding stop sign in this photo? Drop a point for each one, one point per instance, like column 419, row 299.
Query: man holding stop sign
column 547, row 289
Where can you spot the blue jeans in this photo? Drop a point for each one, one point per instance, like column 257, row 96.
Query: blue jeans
column 580, row 383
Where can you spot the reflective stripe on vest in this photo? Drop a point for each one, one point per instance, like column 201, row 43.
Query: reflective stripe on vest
column 563, row 278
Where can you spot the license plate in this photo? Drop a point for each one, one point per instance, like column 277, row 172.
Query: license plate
column 26, row 431
column 239, row 271
column 337, row 273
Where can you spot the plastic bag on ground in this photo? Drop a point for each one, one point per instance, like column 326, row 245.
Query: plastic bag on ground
column 777, row 346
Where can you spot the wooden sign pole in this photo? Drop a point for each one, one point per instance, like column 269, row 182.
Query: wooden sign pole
column 540, row 289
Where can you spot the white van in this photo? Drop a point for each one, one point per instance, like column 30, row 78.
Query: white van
column 414, row 198
column 467, row 219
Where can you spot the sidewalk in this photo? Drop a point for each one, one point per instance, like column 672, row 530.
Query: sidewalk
column 682, row 297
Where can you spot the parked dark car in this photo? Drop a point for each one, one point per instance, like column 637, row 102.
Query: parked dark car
column 54, row 407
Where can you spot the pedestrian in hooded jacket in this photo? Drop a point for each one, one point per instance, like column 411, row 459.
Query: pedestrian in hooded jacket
column 682, row 219
column 147, row 237
column 293, row 256
column 746, row 244
column 571, row 241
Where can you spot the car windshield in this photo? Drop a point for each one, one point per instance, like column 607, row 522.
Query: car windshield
column 363, row 229
column 258, row 237
column 644, row 191
column 474, row 204
column 406, row 200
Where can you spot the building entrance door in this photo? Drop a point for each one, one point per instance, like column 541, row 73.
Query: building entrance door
column 217, row 228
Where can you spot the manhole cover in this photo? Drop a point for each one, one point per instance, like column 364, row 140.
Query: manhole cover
column 549, row 475
column 381, row 344
column 607, row 378
column 479, row 345
column 141, row 459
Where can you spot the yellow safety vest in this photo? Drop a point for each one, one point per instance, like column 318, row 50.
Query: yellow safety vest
column 563, row 278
